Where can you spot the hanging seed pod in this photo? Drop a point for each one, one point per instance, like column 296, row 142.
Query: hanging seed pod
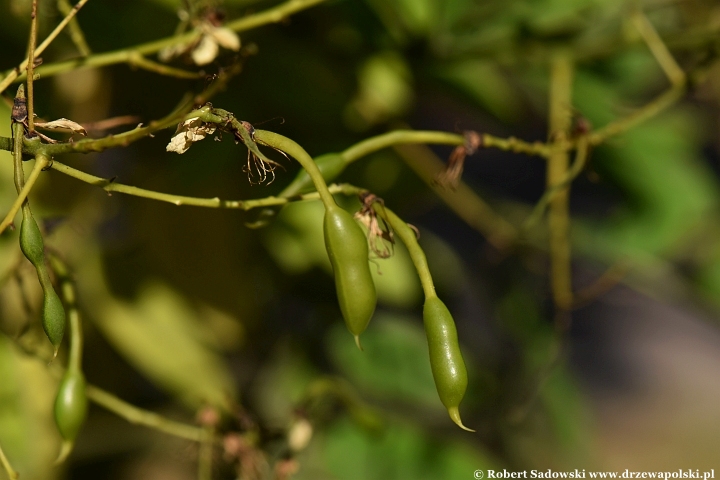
column 446, row 362
column 348, row 251
column 53, row 313
column 71, row 404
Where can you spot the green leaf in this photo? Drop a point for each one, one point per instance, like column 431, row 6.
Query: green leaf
column 162, row 336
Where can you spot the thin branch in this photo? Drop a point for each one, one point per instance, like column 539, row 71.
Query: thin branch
column 273, row 15
column 137, row 60
column 30, row 69
column 667, row 62
column 138, row 416
column 76, row 33
column 6, row 465
column 463, row 200
column 13, row 74
column 648, row 111
column 41, row 162
column 575, row 170
column 561, row 77
column 109, row 185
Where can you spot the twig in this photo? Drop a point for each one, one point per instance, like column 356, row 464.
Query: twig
column 463, row 200
column 13, row 74
column 109, row 185
column 614, row 274
column 575, row 170
column 651, row 109
column 6, row 465
column 76, row 33
column 561, row 75
column 137, row 60
column 658, row 48
column 138, row 416
column 41, row 162
column 30, row 69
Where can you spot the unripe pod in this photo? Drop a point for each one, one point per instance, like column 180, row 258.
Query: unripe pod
column 446, row 361
column 53, row 313
column 347, row 248
column 71, row 404
column 53, row 317
column 31, row 241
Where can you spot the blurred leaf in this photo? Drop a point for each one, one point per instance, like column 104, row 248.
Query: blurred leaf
column 384, row 91
column 404, row 452
column 162, row 337
column 486, row 84
column 394, row 363
column 28, row 434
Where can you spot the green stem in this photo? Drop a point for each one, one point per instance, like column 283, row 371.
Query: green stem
column 371, row 145
column 76, row 33
column 13, row 74
column 139, row 416
column 560, row 119
column 31, row 67
column 41, row 162
column 69, row 296
column 6, row 465
column 288, row 146
column 179, row 200
column 409, row 238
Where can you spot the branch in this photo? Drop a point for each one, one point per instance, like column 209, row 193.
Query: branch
column 138, row 416
column 561, row 77
column 13, row 74
column 273, row 15
column 109, row 185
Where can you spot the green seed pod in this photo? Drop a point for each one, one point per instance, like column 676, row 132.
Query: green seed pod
column 71, row 404
column 53, row 317
column 31, row 241
column 347, row 248
column 53, row 313
column 446, row 361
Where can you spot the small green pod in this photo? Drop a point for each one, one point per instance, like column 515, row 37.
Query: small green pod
column 53, row 317
column 31, row 241
column 347, row 248
column 446, row 362
column 71, row 404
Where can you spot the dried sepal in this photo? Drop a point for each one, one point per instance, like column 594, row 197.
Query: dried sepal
column 188, row 132
column 450, row 176
column 62, row 124
column 380, row 236
column 259, row 168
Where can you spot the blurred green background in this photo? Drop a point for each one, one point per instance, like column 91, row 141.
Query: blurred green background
column 186, row 306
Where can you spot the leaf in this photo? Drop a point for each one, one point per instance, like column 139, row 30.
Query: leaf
column 63, row 124
column 190, row 131
column 163, row 338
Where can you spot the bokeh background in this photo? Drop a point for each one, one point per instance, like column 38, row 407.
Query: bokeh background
column 186, row 306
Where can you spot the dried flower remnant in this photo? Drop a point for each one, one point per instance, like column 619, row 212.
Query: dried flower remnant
column 379, row 233
column 62, row 124
column 259, row 168
column 450, row 176
column 188, row 132
column 206, row 48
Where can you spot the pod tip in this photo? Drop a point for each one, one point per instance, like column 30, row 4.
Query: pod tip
column 455, row 417
column 65, row 450
column 56, row 349
column 357, row 342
